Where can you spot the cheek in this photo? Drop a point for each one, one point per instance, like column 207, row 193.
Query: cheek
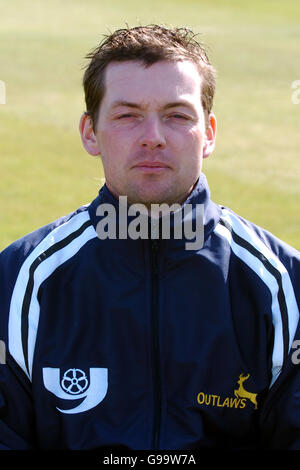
column 197, row 138
column 190, row 150
column 114, row 153
column 114, row 142
column 188, row 142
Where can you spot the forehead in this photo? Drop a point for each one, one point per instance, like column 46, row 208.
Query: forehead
column 161, row 81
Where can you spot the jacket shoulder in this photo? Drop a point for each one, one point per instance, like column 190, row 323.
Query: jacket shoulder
column 22, row 247
column 33, row 244
column 254, row 234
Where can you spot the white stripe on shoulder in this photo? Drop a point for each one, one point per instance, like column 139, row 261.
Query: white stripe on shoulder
column 243, row 231
column 41, row 273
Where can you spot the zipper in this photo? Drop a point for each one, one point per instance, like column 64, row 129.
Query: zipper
column 155, row 345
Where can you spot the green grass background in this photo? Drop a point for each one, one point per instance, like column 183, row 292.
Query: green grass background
column 255, row 46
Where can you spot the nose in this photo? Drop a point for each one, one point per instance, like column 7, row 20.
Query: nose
column 152, row 136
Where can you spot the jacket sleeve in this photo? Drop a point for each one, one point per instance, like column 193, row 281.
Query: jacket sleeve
column 281, row 414
column 16, row 410
column 280, row 417
column 17, row 428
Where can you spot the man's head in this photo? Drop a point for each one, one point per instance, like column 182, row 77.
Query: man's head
column 149, row 93
column 147, row 44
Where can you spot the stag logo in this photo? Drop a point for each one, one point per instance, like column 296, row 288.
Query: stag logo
column 239, row 400
column 242, row 393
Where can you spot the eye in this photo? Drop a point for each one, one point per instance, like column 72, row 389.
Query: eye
column 124, row 116
column 178, row 116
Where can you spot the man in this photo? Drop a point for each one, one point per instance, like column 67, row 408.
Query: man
column 139, row 342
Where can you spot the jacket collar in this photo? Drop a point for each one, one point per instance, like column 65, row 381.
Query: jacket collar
column 199, row 196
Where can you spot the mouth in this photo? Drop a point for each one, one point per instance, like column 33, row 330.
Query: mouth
column 151, row 167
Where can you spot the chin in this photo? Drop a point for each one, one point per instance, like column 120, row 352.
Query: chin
column 149, row 194
column 148, row 199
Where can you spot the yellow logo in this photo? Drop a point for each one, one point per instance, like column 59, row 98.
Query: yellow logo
column 242, row 393
column 240, row 400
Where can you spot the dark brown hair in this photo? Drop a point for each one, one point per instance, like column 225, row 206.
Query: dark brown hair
column 148, row 44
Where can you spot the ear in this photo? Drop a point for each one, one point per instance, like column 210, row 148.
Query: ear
column 210, row 137
column 88, row 136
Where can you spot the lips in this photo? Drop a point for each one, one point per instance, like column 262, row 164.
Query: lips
column 148, row 164
column 149, row 167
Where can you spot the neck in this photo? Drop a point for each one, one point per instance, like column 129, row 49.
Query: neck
column 150, row 207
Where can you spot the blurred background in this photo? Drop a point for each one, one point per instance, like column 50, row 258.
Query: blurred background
column 255, row 47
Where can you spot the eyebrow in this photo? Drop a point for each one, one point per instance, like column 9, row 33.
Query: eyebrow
column 127, row 104
column 177, row 104
column 174, row 104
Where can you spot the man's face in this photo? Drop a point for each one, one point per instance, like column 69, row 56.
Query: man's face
column 151, row 131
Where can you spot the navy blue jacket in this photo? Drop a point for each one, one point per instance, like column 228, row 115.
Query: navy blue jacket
column 143, row 344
